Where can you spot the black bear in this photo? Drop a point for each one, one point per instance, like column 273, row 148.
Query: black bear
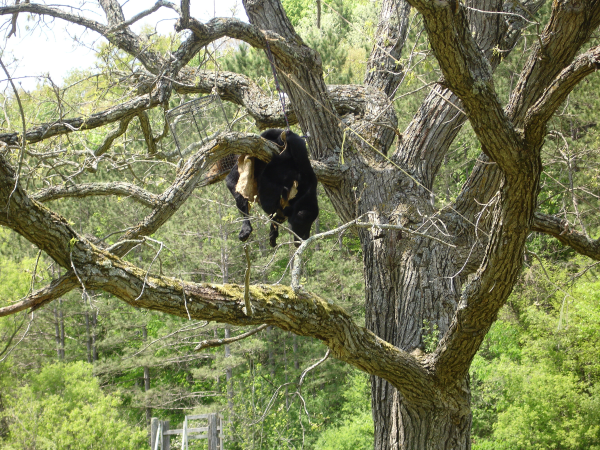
column 286, row 187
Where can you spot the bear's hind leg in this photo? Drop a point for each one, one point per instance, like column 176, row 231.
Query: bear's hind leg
column 241, row 203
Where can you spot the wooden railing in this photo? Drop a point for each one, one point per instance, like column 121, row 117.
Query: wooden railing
column 161, row 434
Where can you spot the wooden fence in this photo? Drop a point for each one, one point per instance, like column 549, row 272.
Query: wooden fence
column 161, row 434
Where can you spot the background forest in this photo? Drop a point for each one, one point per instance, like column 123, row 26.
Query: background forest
column 90, row 371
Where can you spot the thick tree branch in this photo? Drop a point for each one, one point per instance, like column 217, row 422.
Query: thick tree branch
column 483, row 297
column 485, row 179
column 185, row 12
column 112, row 10
column 37, row 299
column 301, row 77
column 438, row 121
column 256, row 37
column 556, row 93
column 132, row 191
column 123, row 111
column 570, row 26
column 469, row 74
column 384, row 70
column 560, row 229
column 513, row 212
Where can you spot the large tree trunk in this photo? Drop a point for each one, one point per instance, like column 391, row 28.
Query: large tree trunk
column 412, row 290
column 410, row 296
column 401, row 425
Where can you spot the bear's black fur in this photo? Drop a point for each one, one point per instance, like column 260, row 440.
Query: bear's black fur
column 275, row 183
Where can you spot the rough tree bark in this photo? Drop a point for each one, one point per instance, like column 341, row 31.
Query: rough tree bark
column 457, row 282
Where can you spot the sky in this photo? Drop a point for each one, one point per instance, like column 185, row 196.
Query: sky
column 51, row 50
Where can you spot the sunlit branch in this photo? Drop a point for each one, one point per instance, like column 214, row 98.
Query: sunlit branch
column 147, row 132
column 234, row 28
column 110, row 137
column 36, row 8
column 110, row 115
column 121, row 189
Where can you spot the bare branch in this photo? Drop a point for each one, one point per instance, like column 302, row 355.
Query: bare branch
column 13, row 23
column 185, row 12
column 236, row 29
column 209, row 343
column 384, row 70
column 560, row 229
column 468, row 73
column 132, row 191
column 36, row 8
column 141, row 15
column 123, row 111
column 147, row 132
column 112, row 10
column 570, row 26
column 122, row 38
column 110, row 137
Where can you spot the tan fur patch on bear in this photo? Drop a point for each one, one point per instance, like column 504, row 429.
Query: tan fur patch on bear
column 246, row 184
column 285, row 202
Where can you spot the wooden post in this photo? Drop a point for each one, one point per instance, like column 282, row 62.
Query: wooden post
column 153, row 431
column 166, row 439
column 184, row 438
column 213, row 432
column 221, row 432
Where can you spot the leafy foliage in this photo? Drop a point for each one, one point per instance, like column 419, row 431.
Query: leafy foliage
column 64, row 407
column 355, row 426
column 535, row 379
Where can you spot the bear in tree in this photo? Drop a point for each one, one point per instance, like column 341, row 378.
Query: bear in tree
column 286, row 187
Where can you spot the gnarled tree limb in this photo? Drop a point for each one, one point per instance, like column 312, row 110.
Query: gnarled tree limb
column 560, row 229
